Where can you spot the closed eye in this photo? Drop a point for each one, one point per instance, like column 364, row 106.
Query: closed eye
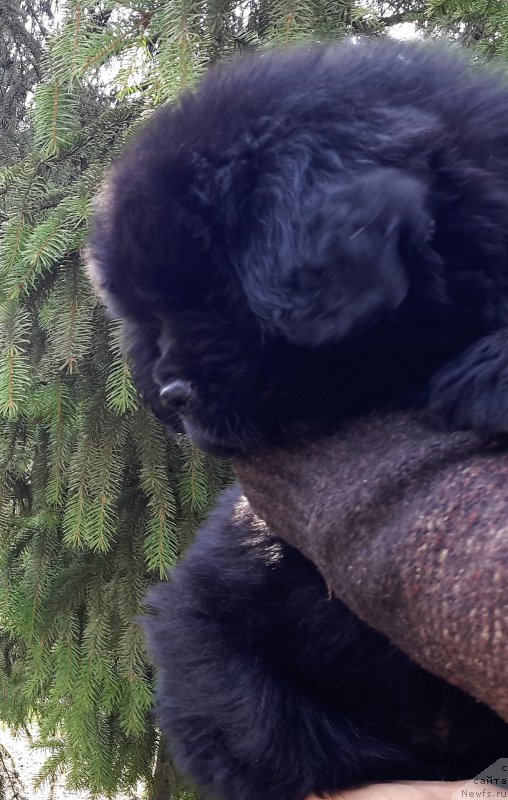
column 143, row 336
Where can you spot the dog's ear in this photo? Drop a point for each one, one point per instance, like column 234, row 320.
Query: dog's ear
column 328, row 262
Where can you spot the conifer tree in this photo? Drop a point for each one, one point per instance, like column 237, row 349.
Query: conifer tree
column 480, row 24
column 97, row 500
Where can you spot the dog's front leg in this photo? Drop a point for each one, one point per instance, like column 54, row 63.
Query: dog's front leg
column 471, row 392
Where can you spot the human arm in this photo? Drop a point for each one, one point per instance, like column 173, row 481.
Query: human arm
column 408, row 527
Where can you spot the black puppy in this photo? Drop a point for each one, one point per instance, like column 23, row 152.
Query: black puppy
column 312, row 235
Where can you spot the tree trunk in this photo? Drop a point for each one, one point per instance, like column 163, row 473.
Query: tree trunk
column 163, row 776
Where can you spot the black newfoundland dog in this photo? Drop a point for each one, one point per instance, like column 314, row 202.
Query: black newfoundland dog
column 313, row 234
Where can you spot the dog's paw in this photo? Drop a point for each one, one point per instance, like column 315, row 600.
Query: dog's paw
column 471, row 392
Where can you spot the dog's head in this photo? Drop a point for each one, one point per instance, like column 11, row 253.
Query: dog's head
column 243, row 237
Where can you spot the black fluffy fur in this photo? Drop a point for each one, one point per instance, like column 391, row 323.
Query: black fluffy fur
column 271, row 690
column 313, row 234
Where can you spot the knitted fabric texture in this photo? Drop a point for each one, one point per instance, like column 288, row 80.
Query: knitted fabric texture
column 409, row 527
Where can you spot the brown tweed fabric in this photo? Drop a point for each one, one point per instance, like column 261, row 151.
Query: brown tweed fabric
column 410, row 528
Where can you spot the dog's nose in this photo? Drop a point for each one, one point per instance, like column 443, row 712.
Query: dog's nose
column 175, row 394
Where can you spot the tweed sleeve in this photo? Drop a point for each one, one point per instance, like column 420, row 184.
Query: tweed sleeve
column 410, row 528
